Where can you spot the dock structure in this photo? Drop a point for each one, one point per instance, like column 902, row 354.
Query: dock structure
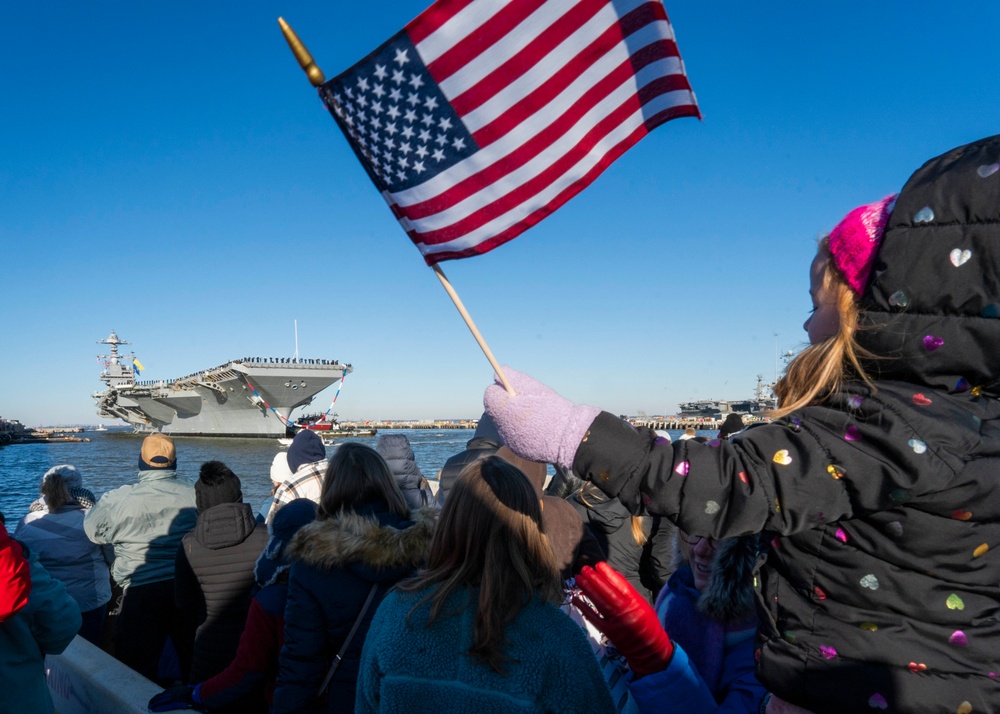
column 14, row 432
column 11, row 430
column 674, row 423
column 677, row 423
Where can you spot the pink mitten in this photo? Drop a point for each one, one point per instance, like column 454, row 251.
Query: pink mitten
column 537, row 424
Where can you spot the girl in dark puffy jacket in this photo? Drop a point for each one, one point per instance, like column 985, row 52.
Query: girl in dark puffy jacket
column 876, row 484
column 363, row 542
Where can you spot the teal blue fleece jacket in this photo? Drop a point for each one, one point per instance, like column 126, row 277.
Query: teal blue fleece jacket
column 46, row 625
column 407, row 666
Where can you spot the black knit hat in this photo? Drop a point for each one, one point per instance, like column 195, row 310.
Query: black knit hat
column 216, row 485
column 732, row 424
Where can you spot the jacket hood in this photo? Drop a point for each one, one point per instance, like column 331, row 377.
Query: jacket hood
column 225, row 525
column 608, row 514
column 729, row 596
column 487, row 429
column 931, row 312
column 306, row 448
column 382, row 550
column 398, row 454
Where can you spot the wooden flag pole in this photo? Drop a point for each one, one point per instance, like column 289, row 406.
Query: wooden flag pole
column 472, row 328
column 316, row 78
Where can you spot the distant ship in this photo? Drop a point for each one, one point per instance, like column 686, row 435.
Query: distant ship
column 246, row 397
column 762, row 402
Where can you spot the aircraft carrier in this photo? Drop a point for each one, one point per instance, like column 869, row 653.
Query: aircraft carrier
column 246, row 397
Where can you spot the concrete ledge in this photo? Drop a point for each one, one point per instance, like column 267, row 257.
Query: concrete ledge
column 85, row 679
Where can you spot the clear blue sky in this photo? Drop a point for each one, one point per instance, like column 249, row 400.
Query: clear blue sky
column 167, row 171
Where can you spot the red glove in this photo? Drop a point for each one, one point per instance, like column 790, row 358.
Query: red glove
column 624, row 616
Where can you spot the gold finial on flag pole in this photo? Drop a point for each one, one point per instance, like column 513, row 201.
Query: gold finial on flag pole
column 306, row 61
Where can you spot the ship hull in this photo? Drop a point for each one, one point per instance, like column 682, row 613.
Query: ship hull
column 246, row 398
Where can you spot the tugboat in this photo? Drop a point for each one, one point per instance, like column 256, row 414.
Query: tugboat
column 330, row 427
column 245, row 397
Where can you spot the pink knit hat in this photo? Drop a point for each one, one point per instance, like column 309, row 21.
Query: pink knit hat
column 855, row 240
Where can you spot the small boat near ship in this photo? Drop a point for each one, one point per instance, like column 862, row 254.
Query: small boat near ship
column 245, row 397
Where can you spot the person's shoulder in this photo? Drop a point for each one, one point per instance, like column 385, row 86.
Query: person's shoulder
column 29, row 520
column 112, row 498
column 272, row 598
column 546, row 618
column 392, row 612
column 309, row 473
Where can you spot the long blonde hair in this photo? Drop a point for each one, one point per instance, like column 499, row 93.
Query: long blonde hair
column 820, row 369
column 489, row 536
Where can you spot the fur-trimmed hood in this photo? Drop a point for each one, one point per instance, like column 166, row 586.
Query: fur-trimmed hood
column 378, row 544
column 729, row 596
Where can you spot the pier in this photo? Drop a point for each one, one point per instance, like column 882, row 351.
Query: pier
column 14, row 432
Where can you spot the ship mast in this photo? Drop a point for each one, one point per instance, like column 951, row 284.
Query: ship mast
column 112, row 340
column 116, row 374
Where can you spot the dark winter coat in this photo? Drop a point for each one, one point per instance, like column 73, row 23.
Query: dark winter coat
column 880, row 592
column 213, row 582
column 611, row 523
column 337, row 562
column 251, row 676
column 398, row 454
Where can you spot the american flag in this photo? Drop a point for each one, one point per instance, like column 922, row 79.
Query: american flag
column 482, row 117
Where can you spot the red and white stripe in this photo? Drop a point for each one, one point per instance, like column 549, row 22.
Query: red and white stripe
column 553, row 91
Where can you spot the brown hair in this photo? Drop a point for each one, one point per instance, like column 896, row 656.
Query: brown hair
column 357, row 474
column 820, row 369
column 489, row 536
column 55, row 491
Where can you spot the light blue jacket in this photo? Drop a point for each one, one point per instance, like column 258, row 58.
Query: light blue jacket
column 45, row 625
column 62, row 546
column 145, row 522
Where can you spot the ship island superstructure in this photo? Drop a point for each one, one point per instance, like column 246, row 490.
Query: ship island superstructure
column 245, row 397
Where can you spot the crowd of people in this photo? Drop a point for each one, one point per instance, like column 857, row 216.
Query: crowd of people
column 838, row 557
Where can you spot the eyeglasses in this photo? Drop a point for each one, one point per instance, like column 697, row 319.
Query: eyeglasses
column 692, row 541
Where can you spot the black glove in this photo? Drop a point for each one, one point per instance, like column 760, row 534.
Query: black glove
column 175, row 698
